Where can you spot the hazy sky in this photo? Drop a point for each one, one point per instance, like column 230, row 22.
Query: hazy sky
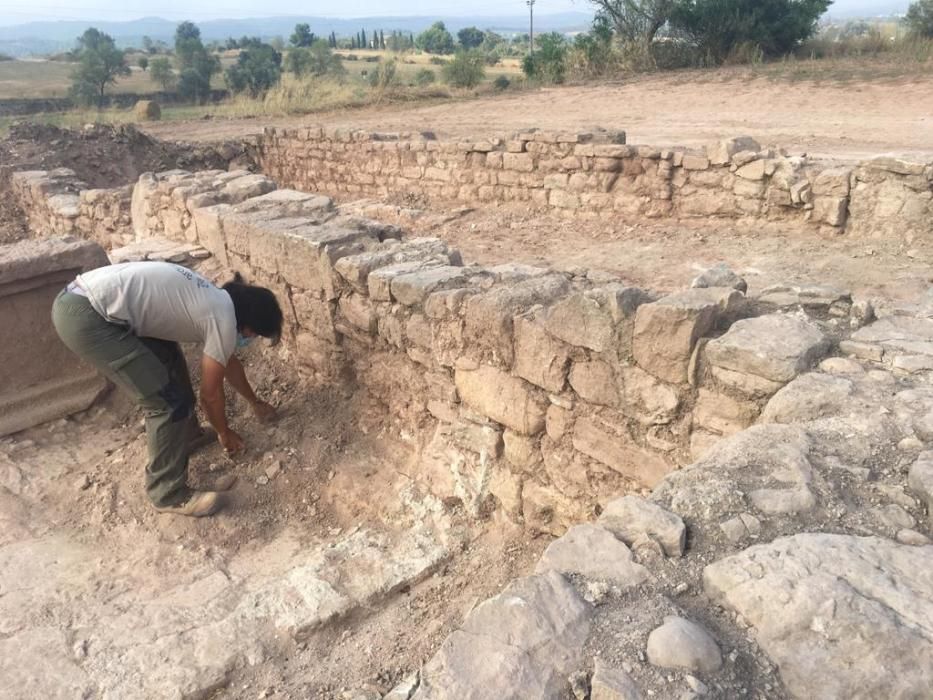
column 15, row 12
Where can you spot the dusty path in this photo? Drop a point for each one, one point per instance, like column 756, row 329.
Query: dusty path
column 840, row 120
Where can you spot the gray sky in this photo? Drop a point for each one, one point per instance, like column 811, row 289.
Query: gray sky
column 16, row 12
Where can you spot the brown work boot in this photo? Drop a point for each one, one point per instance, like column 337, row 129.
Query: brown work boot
column 200, row 505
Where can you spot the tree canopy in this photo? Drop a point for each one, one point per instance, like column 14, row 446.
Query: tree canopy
column 302, row 36
column 100, row 63
column 436, row 39
column 257, row 69
column 470, row 37
column 919, row 18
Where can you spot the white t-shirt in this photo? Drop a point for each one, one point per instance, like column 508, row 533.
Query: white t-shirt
column 165, row 301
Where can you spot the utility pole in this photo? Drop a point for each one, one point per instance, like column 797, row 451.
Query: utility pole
column 531, row 16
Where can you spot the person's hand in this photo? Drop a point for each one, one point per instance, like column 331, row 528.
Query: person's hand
column 231, row 442
column 265, row 412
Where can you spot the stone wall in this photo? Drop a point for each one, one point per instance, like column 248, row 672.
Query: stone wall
column 57, row 203
column 589, row 174
column 546, row 390
column 40, row 379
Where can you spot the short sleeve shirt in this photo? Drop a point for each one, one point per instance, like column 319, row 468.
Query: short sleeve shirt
column 165, row 301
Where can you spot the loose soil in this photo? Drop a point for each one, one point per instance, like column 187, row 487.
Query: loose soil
column 827, row 118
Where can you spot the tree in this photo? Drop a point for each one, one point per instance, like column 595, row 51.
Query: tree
column 635, row 20
column 257, row 69
column 435, row 39
column 100, row 63
column 333, row 40
column 195, row 64
column 363, row 42
column 470, row 37
column 148, row 45
column 720, row 27
column 160, row 71
column 382, row 40
column 318, row 60
column 302, row 36
column 143, row 63
column 919, row 18
column 466, row 70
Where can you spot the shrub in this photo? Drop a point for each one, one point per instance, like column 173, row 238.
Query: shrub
column 548, row 62
column 438, row 61
column 466, row 70
column 318, row 60
column 502, row 83
column 385, row 76
column 425, row 77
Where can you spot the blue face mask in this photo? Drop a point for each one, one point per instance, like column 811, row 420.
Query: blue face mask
column 243, row 342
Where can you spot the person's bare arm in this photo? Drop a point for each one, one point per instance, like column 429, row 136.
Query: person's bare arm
column 236, row 375
column 214, row 404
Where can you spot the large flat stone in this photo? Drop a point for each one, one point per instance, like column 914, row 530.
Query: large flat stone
column 841, row 616
column 776, row 347
column 619, row 453
column 594, row 552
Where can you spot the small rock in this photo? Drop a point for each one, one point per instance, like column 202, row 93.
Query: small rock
column 596, row 592
column 612, row 684
column 910, row 444
column 580, row 685
column 262, row 480
column 696, row 685
column 630, row 516
column 734, row 529
column 912, row 537
column 679, row 643
column 273, row 470
column 894, row 516
column 720, row 275
column 405, row 689
column 920, row 479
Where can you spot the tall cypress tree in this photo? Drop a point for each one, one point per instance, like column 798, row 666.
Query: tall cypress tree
column 382, row 40
column 363, row 43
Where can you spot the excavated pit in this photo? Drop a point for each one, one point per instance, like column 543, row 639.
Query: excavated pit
column 440, row 424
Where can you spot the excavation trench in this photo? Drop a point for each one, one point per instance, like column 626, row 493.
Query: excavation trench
column 439, row 422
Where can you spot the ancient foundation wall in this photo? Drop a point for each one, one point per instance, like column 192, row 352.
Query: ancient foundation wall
column 588, row 174
column 545, row 389
column 57, row 203
column 40, row 379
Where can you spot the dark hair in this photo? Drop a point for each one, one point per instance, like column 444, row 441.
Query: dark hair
column 255, row 307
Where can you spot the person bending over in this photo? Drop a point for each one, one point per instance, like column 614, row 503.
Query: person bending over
column 128, row 319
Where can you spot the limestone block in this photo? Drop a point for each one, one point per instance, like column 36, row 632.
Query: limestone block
column 756, row 170
column 521, row 162
column 380, row 280
column 583, row 321
column 617, row 451
column 833, row 182
column 474, row 437
column 809, row 600
column 521, row 644
column 558, row 422
column 776, row 347
column 489, row 318
column 830, row 210
column 539, row 357
column 612, row 684
column 723, row 414
column 648, row 400
column 358, row 310
column 521, row 450
column 414, row 287
column 629, row 518
column 920, row 480
column 695, row 162
column 594, row 552
column 721, row 152
column 40, row 379
column 504, row 398
column 680, row 643
column 595, row 382
column 666, row 331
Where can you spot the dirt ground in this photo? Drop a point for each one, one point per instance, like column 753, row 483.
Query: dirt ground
column 840, row 120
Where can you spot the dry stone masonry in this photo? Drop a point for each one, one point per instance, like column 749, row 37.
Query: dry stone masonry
column 595, row 173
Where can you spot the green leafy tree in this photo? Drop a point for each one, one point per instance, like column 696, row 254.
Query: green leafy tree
column 466, row 70
column 196, row 65
column 100, row 63
column 160, row 72
column 148, row 45
column 302, row 36
column 436, row 39
column 636, row 20
column 549, row 61
column 318, row 60
column 718, row 28
column 143, row 63
column 470, row 37
column 257, row 69
column 919, row 18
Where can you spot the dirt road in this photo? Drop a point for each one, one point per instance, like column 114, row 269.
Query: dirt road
column 845, row 120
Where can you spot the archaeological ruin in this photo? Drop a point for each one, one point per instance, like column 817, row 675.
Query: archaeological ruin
column 721, row 490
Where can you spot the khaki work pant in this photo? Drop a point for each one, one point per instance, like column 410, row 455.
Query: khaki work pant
column 154, row 373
